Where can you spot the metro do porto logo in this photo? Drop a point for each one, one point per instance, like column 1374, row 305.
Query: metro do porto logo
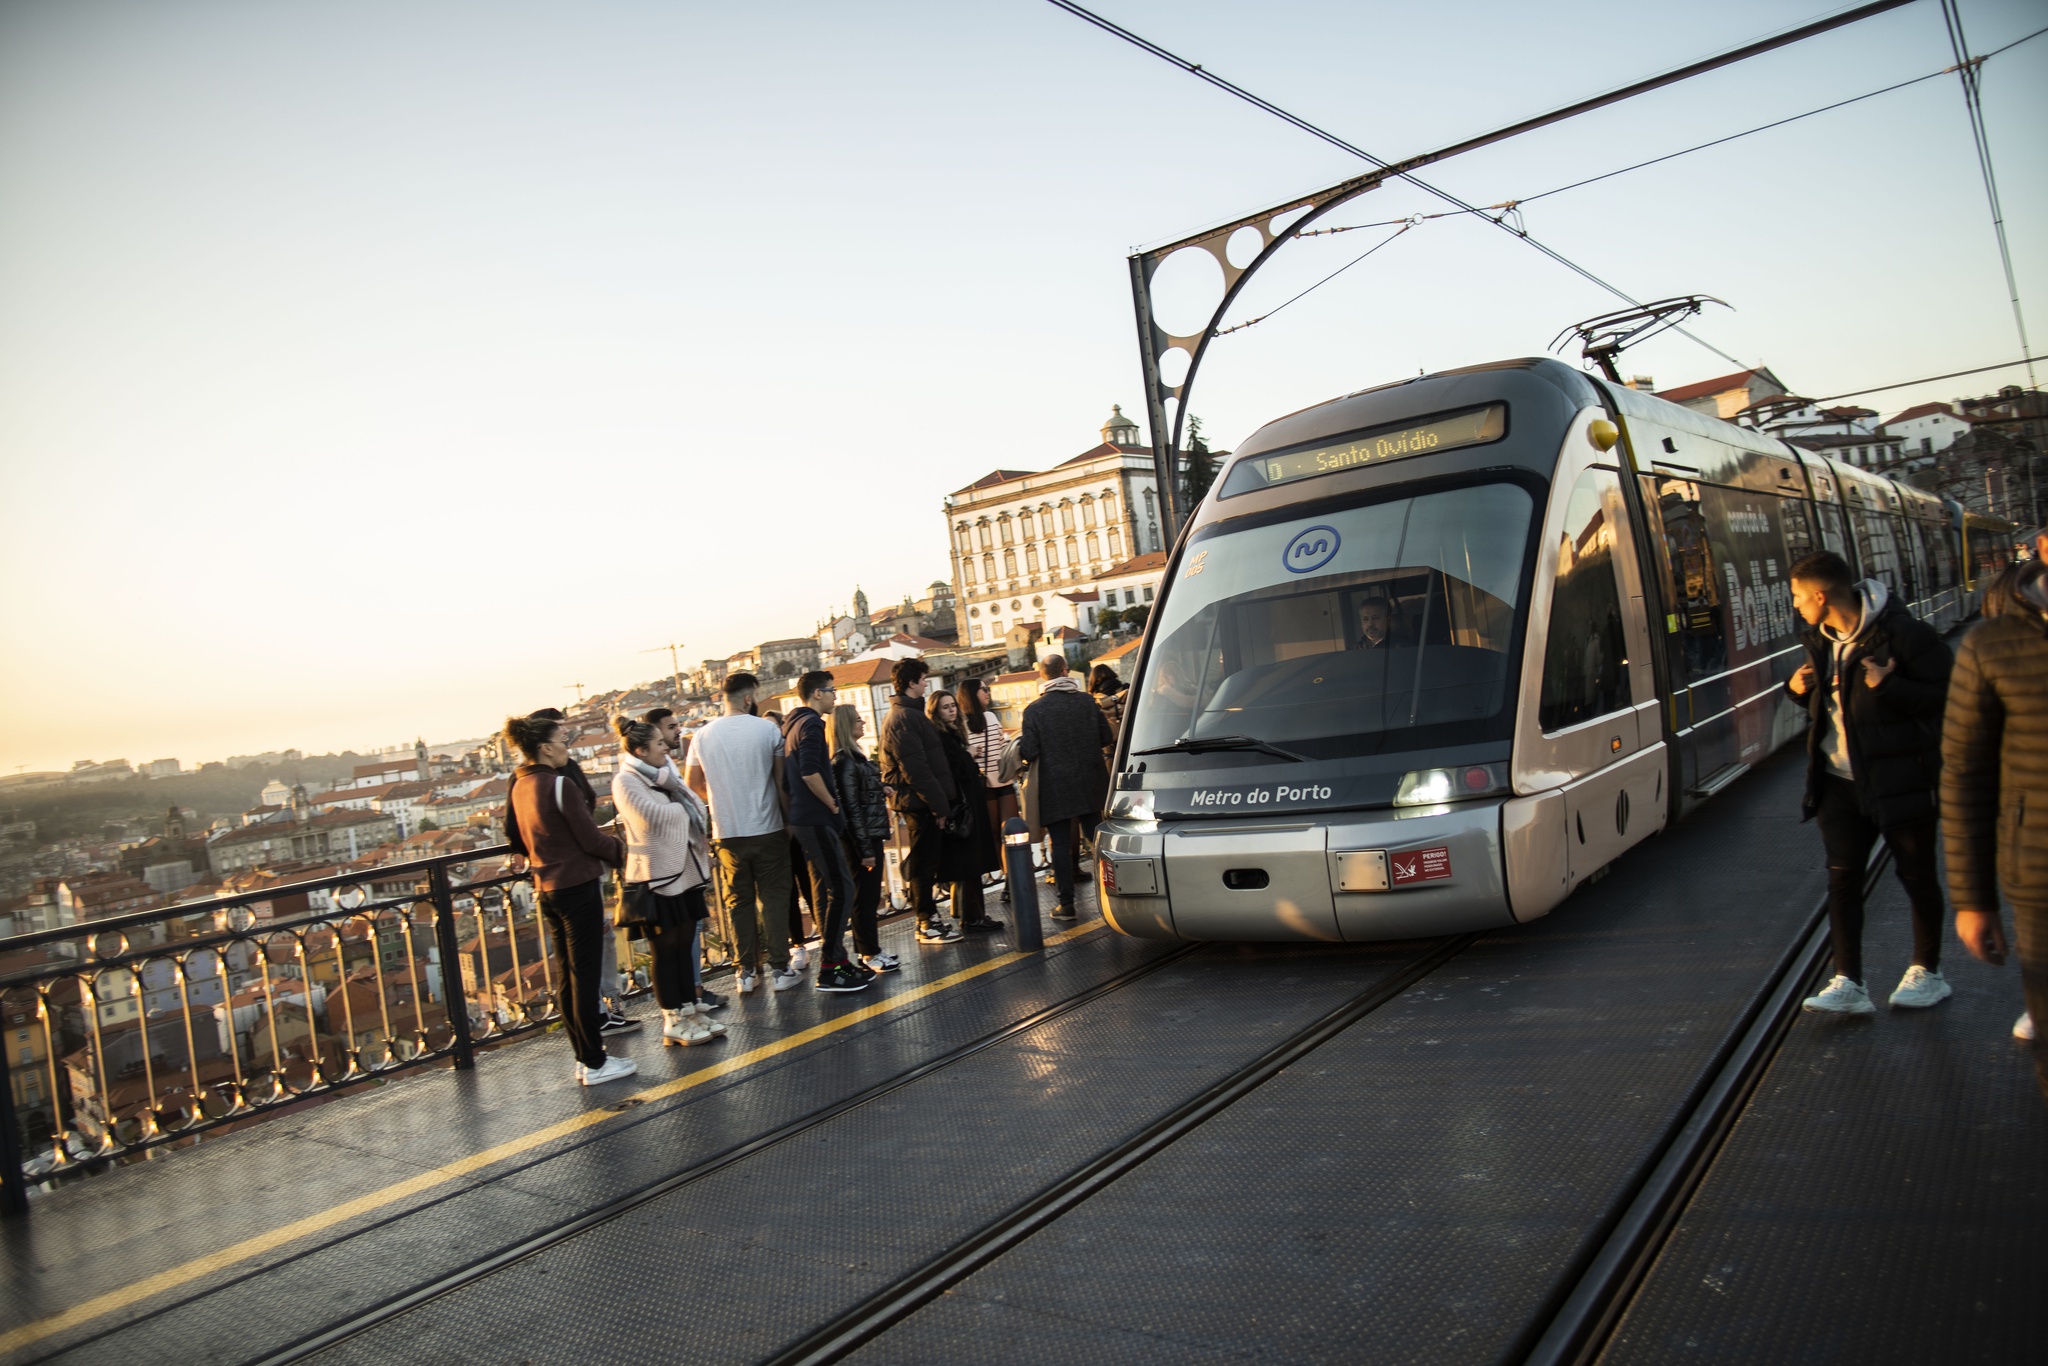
column 1311, row 549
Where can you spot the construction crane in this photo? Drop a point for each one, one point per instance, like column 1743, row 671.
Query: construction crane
column 579, row 691
column 675, row 666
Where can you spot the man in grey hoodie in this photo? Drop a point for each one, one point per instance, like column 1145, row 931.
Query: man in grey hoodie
column 1874, row 683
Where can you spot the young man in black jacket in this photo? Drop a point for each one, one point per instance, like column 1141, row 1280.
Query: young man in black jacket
column 819, row 827
column 1874, row 683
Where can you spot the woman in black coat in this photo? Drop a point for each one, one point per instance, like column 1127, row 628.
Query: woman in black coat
column 975, row 850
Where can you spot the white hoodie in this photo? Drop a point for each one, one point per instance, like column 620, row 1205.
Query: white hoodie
column 1834, row 740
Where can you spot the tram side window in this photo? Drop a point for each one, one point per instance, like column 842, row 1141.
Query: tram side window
column 1941, row 552
column 1875, row 546
column 1585, row 657
column 1694, row 620
column 1832, row 536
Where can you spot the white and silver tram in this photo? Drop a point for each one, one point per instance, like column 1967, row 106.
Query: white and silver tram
column 1431, row 655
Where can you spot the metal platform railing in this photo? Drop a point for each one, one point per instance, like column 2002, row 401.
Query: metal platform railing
column 127, row 1034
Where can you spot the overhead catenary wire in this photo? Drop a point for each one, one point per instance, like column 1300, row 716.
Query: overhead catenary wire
column 1930, row 379
column 1967, row 70
column 1239, row 327
column 1239, row 92
column 1513, row 204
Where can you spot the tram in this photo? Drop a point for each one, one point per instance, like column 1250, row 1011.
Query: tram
column 1432, row 655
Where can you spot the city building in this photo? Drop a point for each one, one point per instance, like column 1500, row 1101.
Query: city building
column 331, row 834
column 1017, row 537
column 1134, row 583
column 1928, row 429
column 1725, row 396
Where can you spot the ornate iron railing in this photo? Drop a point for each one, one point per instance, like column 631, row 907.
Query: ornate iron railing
column 151, row 1028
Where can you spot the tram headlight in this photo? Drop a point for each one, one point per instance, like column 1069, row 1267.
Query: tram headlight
column 1132, row 806
column 1432, row 786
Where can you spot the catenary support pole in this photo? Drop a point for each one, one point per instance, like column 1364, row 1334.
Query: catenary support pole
column 1030, row 930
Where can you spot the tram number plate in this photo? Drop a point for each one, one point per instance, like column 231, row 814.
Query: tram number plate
column 1419, row 865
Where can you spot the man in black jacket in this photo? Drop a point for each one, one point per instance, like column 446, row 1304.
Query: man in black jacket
column 818, row 828
column 1874, row 683
column 921, row 787
column 1064, row 738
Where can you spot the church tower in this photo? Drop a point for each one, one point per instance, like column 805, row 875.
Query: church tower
column 860, row 606
column 174, row 824
column 1119, row 430
column 419, row 758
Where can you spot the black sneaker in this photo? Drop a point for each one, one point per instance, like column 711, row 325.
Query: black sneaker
column 936, row 931
column 985, row 925
column 615, row 1023
column 1064, row 913
column 842, row 977
column 707, row 999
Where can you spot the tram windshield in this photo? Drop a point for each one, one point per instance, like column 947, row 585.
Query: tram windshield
column 1368, row 630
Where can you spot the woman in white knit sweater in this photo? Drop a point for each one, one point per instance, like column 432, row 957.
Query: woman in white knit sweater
column 667, row 833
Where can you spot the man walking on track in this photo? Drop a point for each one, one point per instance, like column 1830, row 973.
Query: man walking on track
column 1994, row 788
column 1064, row 736
column 1874, row 682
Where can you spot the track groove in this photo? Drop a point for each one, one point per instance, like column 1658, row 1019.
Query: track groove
column 849, row 1331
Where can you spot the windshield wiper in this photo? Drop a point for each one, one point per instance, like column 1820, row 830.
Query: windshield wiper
column 1206, row 744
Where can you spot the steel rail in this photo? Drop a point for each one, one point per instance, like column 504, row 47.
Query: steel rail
column 1577, row 1330
column 477, row 1270
column 888, row 1307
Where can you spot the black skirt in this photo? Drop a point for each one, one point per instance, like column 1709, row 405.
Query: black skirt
column 675, row 913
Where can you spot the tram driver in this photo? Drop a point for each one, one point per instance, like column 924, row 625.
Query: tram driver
column 1378, row 624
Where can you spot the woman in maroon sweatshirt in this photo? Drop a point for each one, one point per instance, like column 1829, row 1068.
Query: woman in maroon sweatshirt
column 550, row 819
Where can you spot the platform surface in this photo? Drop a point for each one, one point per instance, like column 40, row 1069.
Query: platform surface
column 1424, row 1187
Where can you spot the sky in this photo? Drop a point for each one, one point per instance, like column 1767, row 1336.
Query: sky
column 373, row 369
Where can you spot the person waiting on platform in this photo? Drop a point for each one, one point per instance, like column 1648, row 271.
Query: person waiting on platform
column 668, row 861
column 858, row 780
column 548, row 820
column 1064, row 738
column 1874, row 683
column 733, row 764
column 971, row 847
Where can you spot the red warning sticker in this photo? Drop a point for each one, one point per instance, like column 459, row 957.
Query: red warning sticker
column 1419, row 865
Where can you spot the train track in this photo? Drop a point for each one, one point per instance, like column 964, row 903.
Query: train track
column 391, row 1308
column 881, row 1311
column 1576, row 1329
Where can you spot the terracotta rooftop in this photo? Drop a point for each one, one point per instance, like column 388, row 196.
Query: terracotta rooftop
column 1137, row 564
column 1719, row 385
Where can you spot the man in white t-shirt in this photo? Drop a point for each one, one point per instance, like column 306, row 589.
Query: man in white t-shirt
column 735, row 765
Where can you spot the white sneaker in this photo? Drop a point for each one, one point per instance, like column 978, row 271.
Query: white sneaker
column 708, row 1025
column 747, row 982
column 1842, row 997
column 2023, row 1027
column 799, row 958
column 679, row 1030
column 614, row 1068
column 785, row 979
column 1919, row 988
column 881, row 962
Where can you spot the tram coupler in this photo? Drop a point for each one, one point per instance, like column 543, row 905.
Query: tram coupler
column 1023, row 885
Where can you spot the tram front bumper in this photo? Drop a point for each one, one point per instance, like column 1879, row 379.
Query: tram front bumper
column 1353, row 877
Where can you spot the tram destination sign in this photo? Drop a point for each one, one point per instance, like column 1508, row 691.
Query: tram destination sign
column 1474, row 427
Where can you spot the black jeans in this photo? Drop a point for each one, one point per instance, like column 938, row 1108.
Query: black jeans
column 1848, row 836
column 1063, row 835
column 575, row 918
column 867, row 902
column 831, row 886
column 674, row 950
column 921, row 861
column 799, row 889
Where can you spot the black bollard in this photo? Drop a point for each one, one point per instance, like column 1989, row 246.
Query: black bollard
column 1030, row 932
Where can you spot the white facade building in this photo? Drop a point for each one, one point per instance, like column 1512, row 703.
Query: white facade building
column 1020, row 538
column 1928, row 428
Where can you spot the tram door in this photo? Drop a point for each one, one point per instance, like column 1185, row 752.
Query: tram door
column 1588, row 723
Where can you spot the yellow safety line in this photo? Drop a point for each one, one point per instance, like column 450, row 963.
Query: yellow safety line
column 101, row 1305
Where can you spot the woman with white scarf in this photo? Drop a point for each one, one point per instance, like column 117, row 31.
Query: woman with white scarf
column 667, row 833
